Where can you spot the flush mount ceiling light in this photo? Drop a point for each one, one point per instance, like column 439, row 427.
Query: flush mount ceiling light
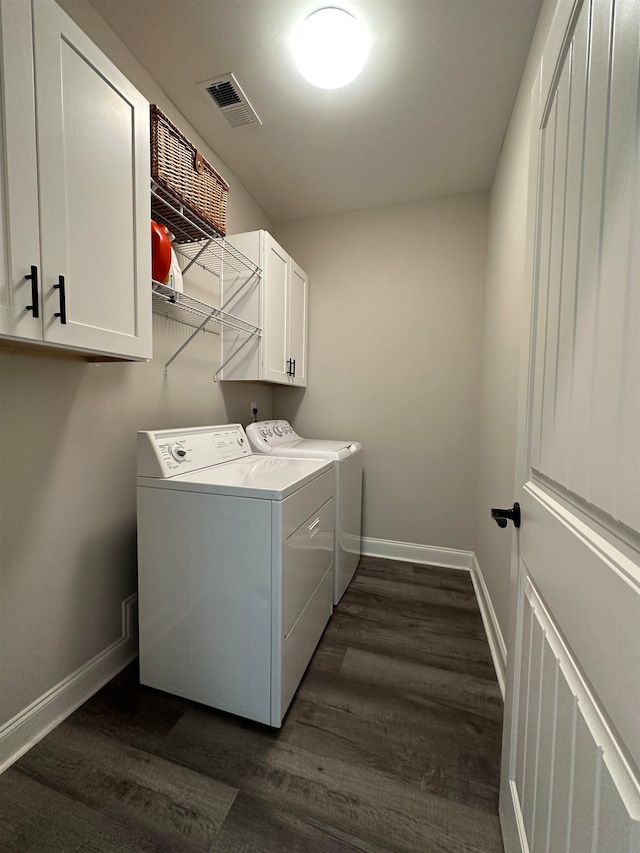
column 330, row 48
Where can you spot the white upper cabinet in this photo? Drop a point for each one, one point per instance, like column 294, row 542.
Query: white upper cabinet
column 75, row 254
column 275, row 280
column 278, row 303
column 297, row 312
column 19, row 236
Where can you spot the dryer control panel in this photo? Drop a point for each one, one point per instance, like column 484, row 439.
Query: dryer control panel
column 267, row 434
column 166, row 453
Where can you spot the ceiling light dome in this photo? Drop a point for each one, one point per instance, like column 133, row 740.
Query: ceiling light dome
column 330, row 48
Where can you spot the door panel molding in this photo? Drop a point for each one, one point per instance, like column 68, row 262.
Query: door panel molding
column 623, row 537
column 586, row 332
column 616, row 560
column 568, row 756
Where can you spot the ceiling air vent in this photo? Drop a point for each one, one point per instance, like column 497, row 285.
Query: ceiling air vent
column 225, row 92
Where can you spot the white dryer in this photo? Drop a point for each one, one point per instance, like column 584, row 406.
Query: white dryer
column 278, row 438
column 235, row 568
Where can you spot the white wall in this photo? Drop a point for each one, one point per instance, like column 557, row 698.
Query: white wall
column 506, row 294
column 396, row 303
column 67, row 471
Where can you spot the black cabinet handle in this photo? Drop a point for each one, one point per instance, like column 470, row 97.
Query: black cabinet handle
column 293, row 367
column 501, row 516
column 62, row 313
column 289, row 368
column 33, row 278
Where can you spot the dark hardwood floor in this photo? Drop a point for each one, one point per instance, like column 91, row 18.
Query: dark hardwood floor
column 392, row 743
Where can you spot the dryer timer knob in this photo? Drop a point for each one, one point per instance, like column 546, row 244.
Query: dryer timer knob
column 178, row 452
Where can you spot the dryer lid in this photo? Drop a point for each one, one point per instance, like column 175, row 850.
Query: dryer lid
column 311, row 448
column 313, row 445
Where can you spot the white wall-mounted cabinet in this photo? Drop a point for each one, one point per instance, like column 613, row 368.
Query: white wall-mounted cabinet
column 278, row 303
column 75, row 253
column 297, row 310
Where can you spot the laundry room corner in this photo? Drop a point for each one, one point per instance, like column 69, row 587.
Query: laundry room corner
column 395, row 344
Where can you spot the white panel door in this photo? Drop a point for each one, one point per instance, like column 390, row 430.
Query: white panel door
column 93, row 131
column 19, row 226
column 571, row 755
column 275, row 274
column 297, row 320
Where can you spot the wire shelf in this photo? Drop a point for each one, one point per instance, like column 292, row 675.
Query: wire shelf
column 192, row 312
column 195, row 240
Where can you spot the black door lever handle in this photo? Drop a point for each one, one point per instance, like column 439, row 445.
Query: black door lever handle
column 501, row 516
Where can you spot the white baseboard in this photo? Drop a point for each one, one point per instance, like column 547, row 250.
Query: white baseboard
column 514, row 834
column 452, row 559
column 448, row 558
column 491, row 625
column 29, row 726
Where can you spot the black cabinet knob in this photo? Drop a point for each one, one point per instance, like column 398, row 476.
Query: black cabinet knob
column 501, row 516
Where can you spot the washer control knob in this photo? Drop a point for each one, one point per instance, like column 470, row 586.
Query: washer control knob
column 269, row 432
column 240, row 441
column 178, row 452
column 278, row 430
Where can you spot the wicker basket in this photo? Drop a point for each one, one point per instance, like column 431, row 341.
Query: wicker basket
column 182, row 172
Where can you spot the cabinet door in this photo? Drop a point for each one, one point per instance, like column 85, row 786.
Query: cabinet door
column 275, row 275
column 241, row 296
column 19, row 240
column 93, row 153
column 297, row 323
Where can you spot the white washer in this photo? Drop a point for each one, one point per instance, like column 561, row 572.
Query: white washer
column 278, row 438
column 235, row 568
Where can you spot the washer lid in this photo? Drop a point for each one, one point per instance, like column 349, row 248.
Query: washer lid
column 262, row 477
column 312, row 448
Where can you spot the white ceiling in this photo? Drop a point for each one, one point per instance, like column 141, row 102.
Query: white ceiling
column 425, row 118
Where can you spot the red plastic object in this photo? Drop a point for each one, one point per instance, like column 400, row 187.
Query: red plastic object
column 160, row 252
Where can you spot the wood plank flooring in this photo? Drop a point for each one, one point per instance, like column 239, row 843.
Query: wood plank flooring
column 392, row 743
